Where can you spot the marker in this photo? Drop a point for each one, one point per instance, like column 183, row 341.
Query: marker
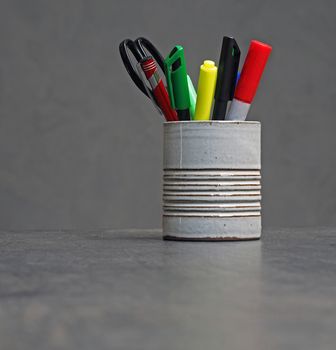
column 149, row 67
column 238, row 76
column 205, row 90
column 251, row 73
column 227, row 76
column 177, row 82
column 192, row 97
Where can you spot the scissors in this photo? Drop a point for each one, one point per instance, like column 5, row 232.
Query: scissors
column 138, row 48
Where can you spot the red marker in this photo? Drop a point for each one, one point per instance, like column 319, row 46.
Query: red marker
column 160, row 93
column 251, row 73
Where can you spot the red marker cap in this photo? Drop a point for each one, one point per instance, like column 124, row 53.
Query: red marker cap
column 251, row 73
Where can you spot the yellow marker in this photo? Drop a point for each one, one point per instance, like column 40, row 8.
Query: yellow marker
column 205, row 90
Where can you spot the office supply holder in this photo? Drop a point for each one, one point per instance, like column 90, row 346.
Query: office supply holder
column 211, row 181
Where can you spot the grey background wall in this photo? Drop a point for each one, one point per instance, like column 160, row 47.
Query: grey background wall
column 81, row 147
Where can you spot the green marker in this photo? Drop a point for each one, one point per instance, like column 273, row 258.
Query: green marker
column 192, row 97
column 177, row 82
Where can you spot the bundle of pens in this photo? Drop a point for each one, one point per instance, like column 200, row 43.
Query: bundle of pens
column 222, row 85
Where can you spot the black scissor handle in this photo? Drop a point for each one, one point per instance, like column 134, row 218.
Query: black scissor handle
column 138, row 47
column 124, row 46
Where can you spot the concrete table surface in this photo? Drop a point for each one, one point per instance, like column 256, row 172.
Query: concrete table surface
column 131, row 290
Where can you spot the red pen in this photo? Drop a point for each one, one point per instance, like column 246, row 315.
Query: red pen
column 248, row 82
column 160, row 93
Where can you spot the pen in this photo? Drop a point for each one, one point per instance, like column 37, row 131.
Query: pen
column 149, row 67
column 177, row 82
column 143, row 79
column 249, row 79
column 205, row 90
column 226, row 77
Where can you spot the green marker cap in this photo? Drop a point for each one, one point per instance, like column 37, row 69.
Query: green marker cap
column 177, row 81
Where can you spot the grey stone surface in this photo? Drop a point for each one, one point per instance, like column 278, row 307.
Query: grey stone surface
column 74, row 130
column 131, row 290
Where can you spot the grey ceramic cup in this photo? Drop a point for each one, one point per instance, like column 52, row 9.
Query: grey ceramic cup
column 211, row 181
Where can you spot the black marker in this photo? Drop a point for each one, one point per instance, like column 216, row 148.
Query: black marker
column 226, row 77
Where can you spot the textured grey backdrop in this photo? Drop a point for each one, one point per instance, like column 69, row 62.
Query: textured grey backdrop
column 81, row 147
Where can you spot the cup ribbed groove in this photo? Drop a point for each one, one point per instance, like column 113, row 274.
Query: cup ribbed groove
column 213, row 193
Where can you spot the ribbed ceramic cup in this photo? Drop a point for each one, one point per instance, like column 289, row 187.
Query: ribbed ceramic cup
column 211, row 181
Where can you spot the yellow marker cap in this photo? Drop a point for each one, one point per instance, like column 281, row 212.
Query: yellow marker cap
column 208, row 64
column 205, row 90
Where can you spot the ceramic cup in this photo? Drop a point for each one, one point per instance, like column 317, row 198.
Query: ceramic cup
column 211, row 181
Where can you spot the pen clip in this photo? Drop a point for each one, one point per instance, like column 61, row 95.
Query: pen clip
column 143, row 78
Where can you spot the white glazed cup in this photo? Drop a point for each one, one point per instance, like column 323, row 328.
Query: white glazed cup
column 211, row 181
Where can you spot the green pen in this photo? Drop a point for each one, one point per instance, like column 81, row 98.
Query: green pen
column 177, row 82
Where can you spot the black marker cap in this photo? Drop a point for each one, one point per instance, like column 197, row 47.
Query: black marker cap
column 226, row 76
